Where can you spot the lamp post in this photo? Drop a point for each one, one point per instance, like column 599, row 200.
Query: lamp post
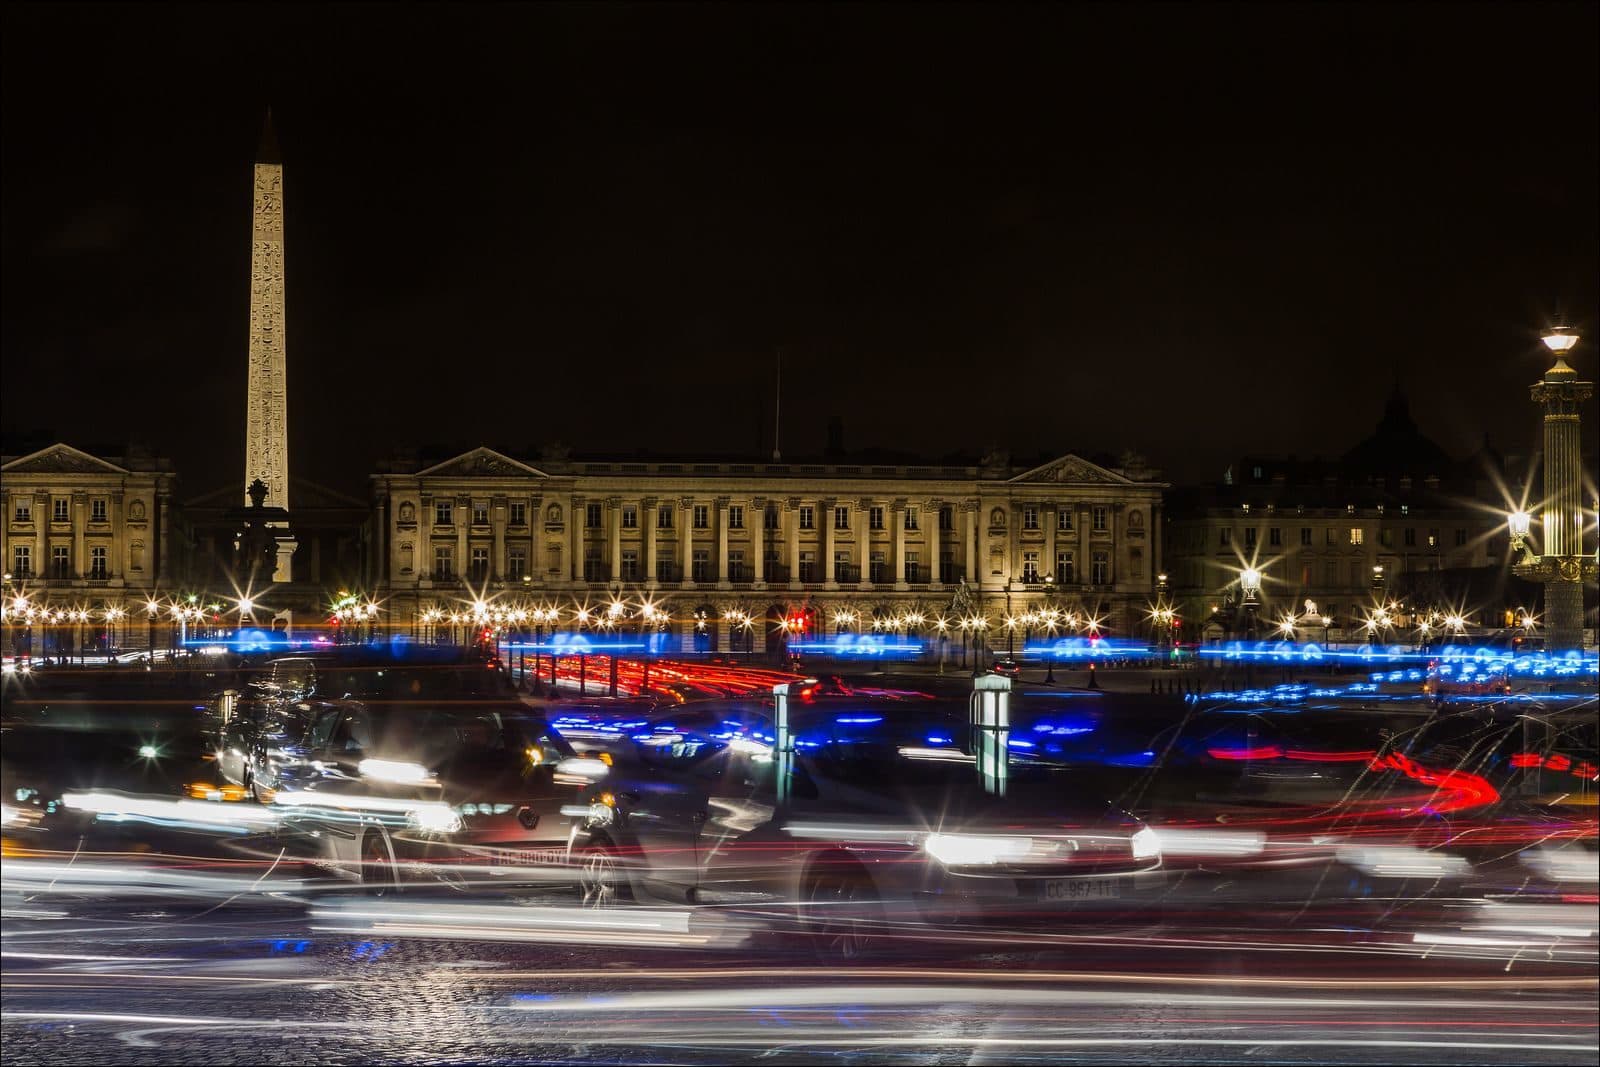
column 1562, row 566
column 1250, row 585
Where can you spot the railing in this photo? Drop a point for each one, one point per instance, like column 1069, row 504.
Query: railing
column 808, row 573
column 879, row 573
column 846, row 573
column 916, row 574
column 669, row 572
column 777, row 572
column 595, row 571
column 738, row 572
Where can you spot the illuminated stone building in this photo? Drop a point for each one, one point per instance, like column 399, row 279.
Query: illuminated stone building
column 1393, row 520
column 86, row 541
column 834, row 542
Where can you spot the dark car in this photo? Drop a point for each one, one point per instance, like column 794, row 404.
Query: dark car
column 465, row 792
column 881, row 823
column 1009, row 667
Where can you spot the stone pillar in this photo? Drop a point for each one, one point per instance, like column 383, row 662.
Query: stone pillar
column 1085, row 562
column 614, row 538
column 864, row 542
column 897, row 536
column 830, row 578
column 462, row 514
column 970, row 507
column 932, row 510
column 1014, row 543
column 1157, row 548
column 722, row 546
column 1047, row 565
column 536, row 564
column 163, row 529
column 497, row 523
column 80, row 522
column 647, row 508
column 757, row 516
column 118, row 563
column 575, row 539
column 686, row 539
column 791, row 518
column 1119, row 543
column 1564, row 565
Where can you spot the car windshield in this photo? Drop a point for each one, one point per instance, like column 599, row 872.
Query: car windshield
column 430, row 736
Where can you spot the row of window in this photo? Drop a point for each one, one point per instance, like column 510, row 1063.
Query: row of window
column 60, row 510
column 1357, row 536
column 843, row 568
column 60, row 562
column 594, row 516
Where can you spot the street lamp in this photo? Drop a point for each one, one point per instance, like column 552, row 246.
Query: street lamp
column 1250, row 583
column 1561, row 566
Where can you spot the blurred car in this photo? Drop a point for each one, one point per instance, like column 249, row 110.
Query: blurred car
column 465, row 793
column 881, row 824
column 1009, row 667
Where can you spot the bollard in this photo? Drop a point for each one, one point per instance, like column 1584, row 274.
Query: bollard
column 783, row 741
column 230, row 701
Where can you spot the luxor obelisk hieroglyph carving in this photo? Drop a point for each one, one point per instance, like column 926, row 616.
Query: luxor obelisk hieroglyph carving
column 266, row 444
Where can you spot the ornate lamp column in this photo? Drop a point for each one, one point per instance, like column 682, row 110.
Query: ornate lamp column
column 1562, row 565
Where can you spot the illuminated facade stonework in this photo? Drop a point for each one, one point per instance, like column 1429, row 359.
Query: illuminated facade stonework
column 82, row 533
column 769, row 539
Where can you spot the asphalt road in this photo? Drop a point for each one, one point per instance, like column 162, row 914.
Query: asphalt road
column 291, row 979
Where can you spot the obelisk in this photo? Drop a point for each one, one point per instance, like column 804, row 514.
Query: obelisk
column 266, row 443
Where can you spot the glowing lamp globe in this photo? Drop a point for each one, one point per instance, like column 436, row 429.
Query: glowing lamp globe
column 1519, row 522
column 1560, row 339
column 1250, row 579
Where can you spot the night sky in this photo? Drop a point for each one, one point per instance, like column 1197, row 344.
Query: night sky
column 1191, row 231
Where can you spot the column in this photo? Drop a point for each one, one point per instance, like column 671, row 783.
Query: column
column 1119, row 544
column 160, row 557
column 1156, row 545
column 970, row 507
column 536, row 538
column 864, row 542
column 1084, row 561
column 722, row 545
column 1047, row 565
column 931, row 510
column 119, row 539
column 575, row 539
column 614, row 538
column 80, row 521
column 791, row 518
column 897, row 560
column 686, row 539
column 830, row 579
column 1014, row 542
column 647, row 509
column 757, row 516
column 462, row 514
column 497, row 522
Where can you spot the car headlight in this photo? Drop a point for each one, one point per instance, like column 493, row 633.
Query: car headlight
column 968, row 850
column 1146, row 844
column 435, row 819
column 581, row 767
column 395, row 771
column 1402, row 861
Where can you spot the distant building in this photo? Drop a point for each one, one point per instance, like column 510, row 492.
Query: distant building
column 837, row 541
column 1394, row 519
column 86, row 540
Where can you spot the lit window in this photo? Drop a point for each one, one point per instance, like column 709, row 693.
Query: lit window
column 1356, row 536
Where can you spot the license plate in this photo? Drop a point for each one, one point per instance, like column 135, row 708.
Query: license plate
column 1080, row 889
column 529, row 857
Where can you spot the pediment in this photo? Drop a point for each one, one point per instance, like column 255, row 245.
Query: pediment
column 481, row 463
column 61, row 459
column 1071, row 469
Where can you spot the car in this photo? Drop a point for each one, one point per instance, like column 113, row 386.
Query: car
column 883, row 822
column 1009, row 667
column 464, row 793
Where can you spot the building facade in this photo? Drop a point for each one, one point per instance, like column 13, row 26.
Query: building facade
column 88, row 541
column 834, row 544
column 1393, row 524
